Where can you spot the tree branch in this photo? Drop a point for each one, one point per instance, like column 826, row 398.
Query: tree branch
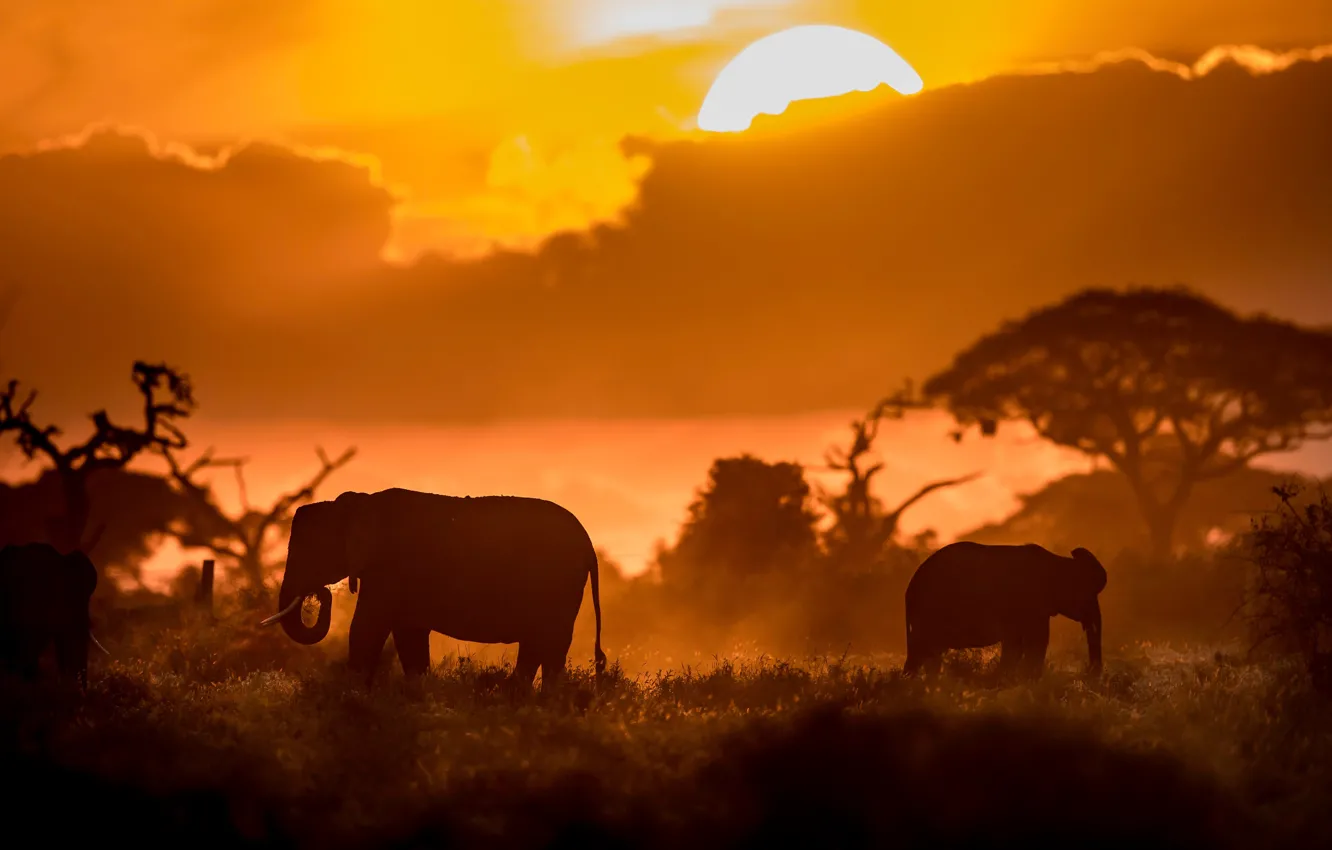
column 109, row 447
column 895, row 516
column 244, row 538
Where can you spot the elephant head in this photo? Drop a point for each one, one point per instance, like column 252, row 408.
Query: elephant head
column 1077, row 584
column 329, row 541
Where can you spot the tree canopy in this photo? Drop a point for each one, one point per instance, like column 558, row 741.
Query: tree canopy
column 751, row 518
column 1107, row 372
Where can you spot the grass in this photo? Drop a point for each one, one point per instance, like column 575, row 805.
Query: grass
column 224, row 734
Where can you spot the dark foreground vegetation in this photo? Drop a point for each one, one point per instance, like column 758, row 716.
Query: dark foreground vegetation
column 1166, row 751
column 1209, row 728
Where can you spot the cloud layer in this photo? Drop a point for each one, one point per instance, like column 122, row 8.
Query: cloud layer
column 781, row 271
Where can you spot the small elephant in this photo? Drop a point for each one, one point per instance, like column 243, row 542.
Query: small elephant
column 44, row 597
column 968, row 595
column 491, row 569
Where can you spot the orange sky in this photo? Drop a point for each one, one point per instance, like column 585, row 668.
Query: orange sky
column 779, row 284
column 630, row 482
column 499, row 119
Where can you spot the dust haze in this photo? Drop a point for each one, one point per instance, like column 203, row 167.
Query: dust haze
column 492, row 458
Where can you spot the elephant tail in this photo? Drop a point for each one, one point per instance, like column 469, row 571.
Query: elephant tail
column 600, row 657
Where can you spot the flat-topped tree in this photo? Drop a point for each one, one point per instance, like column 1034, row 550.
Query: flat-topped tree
column 1112, row 374
column 167, row 397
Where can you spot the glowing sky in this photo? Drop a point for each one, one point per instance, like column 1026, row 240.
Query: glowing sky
column 501, row 122
column 801, row 63
column 500, row 119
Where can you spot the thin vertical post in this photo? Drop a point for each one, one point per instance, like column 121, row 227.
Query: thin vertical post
column 205, row 596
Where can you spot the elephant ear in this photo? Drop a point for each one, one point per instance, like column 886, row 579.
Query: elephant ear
column 1089, row 562
column 360, row 520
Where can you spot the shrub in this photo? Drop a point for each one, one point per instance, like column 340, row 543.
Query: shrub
column 1291, row 601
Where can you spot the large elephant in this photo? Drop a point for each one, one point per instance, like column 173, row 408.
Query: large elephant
column 489, row 569
column 969, row 595
column 44, row 598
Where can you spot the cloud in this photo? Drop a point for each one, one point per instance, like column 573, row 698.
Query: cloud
column 529, row 193
column 779, row 271
column 1254, row 59
column 117, row 242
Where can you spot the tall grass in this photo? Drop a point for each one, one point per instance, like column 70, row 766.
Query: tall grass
column 209, row 733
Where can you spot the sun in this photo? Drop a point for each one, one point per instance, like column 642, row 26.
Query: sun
column 801, row 63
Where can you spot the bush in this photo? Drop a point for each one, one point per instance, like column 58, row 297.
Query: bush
column 1291, row 602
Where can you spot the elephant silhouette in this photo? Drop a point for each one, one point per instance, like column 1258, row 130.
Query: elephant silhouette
column 490, row 569
column 44, row 598
column 969, row 595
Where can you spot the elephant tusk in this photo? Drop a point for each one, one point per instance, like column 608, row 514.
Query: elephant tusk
column 284, row 612
column 98, row 643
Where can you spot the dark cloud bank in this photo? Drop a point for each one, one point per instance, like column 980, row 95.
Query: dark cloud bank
column 766, row 273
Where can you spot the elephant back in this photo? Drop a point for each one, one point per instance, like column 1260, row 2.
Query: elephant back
column 479, row 529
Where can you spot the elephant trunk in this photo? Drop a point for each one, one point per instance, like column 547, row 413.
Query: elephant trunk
column 289, row 614
column 1092, row 626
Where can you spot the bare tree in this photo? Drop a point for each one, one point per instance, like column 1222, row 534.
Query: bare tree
column 245, row 542
column 8, row 296
column 861, row 527
column 167, row 397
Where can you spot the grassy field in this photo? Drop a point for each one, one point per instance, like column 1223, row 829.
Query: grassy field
column 222, row 734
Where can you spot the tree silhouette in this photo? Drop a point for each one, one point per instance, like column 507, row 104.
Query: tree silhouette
column 861, row 527
column 132, row 508
column 752, row 518
column 167, row 397
column 1107, row 372
column 1097, row 510
column 246, row 541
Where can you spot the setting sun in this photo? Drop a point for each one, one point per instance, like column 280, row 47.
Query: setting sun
column 801, row 63
column 646, row 422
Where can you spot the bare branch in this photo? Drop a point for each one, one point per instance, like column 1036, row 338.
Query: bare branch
column 245, row 538
column 894, row 516
column 110, row 446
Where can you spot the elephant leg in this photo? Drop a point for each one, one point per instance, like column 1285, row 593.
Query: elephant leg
column 913, row 658
column 365, row 643
column 413, row 646
column 1010, row 652
column 554, row 659
column 924, row 654
column 525, row 668
column 912, row 664
column 1035, row 643
column 932, row 663
column 922, row 660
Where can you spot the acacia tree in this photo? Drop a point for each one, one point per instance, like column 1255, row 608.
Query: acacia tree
column 167, row 397
column 244, row 541
column 1113, row 373
column 862, row 528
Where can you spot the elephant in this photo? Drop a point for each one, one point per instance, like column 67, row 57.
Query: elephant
column 44, row 598
column 968, row 595
column 488, row 569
